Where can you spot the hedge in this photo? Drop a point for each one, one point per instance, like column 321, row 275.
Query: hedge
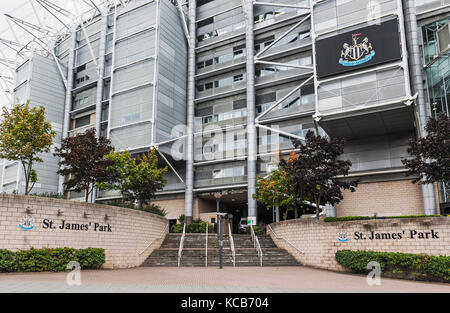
column 50, row 260
column 197, row 227
column 398, row 265
column 367, row 218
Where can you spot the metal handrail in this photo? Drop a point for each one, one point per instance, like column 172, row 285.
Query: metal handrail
column 276, row 236
column 207, row 234
column 180, row 251
column 233, row 250
column 150, row 244
column 257, row 245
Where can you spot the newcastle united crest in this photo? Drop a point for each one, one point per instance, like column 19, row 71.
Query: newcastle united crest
column 343, row 237
column 358, row 53
column 27, row 223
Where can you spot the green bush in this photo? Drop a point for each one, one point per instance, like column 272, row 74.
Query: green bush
column 51, row 195
column 152, row 208
column 177, row 229
column 197, row 227
column 366, row 218
column 50, row 260
column 398, row 265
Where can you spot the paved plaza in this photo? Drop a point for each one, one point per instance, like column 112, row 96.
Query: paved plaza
column 210, row 280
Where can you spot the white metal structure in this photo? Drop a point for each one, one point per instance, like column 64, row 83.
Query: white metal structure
column 233, row 250
column 180, row 250
column 257, row 245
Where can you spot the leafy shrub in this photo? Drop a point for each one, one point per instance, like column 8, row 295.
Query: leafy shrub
column 177, row 229
column 197, row 227
column 152, row 208
column 51, row 195
column 366, row 218
column 259, row 230
column 398, row 265
column 50, row 260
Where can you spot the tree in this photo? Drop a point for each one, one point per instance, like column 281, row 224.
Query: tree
column 138, row 180
column 83, row 162
column 431, row 154
column 24, row 134
column 315, row 170
column 277, row 190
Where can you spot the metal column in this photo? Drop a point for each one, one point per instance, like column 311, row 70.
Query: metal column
column 101, row 70
column 416, row 73
column 68, row 104
column 189, row 198
column 252, row 148
column 100, row 80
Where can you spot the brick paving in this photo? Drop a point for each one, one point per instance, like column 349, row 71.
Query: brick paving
column 211, row 280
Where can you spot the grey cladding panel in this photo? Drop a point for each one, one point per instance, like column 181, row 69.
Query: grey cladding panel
column 172, row 71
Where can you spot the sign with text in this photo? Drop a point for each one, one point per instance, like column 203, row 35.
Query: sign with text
column 374, row 236
column 360, row 48
column 27, row 223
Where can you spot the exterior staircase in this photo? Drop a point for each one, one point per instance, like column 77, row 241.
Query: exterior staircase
column 194, row 252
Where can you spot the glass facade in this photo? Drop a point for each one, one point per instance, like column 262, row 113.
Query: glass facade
column 438, row 69
column 437, row 63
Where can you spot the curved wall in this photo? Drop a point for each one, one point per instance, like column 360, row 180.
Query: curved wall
column 319, row 241
column 124, row 234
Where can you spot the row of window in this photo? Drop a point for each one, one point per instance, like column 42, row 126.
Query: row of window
column 225, row 116
column 224, row 82
column 303, row 100
column 265, row 71
column 82, row 79
column 221, row 31
column 268, row 16
column 240, row 51
column 273, row 69
column 229, row 172
column 82, row 102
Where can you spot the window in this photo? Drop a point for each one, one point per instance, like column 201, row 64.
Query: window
column 238, row 78
column 206, row 22
column 83, row 121
column 239, row 52
column 202, row 2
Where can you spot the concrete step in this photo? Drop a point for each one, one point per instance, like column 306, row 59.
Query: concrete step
column 194, row 252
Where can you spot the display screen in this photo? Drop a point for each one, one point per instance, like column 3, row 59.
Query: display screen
column 360, row 48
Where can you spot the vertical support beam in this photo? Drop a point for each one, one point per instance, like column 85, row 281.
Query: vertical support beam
column 317, row 115
column 100, row 80
column 2, row 179
column 156, row 72
column 113, row 65
column 101, row 70
column 330, row 210
column 189, row 198
column 68, row 104
column 416, row 74
column 252, row 147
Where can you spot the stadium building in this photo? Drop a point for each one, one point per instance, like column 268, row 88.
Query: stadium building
column 220, row 87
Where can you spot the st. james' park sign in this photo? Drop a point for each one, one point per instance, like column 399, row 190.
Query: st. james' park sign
column 357, row 49
column 375, row 236
column 27, row 224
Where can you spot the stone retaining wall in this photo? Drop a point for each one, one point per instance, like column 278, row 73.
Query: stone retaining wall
column 124, row 234
column 319, row 241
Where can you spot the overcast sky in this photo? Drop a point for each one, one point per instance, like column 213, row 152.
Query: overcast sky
column 5, row 7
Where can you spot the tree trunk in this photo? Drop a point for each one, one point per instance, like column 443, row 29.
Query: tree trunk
column 296, row 213
column 278, row 214
column 27, row 179
column 318, row 208
column 87, row 194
